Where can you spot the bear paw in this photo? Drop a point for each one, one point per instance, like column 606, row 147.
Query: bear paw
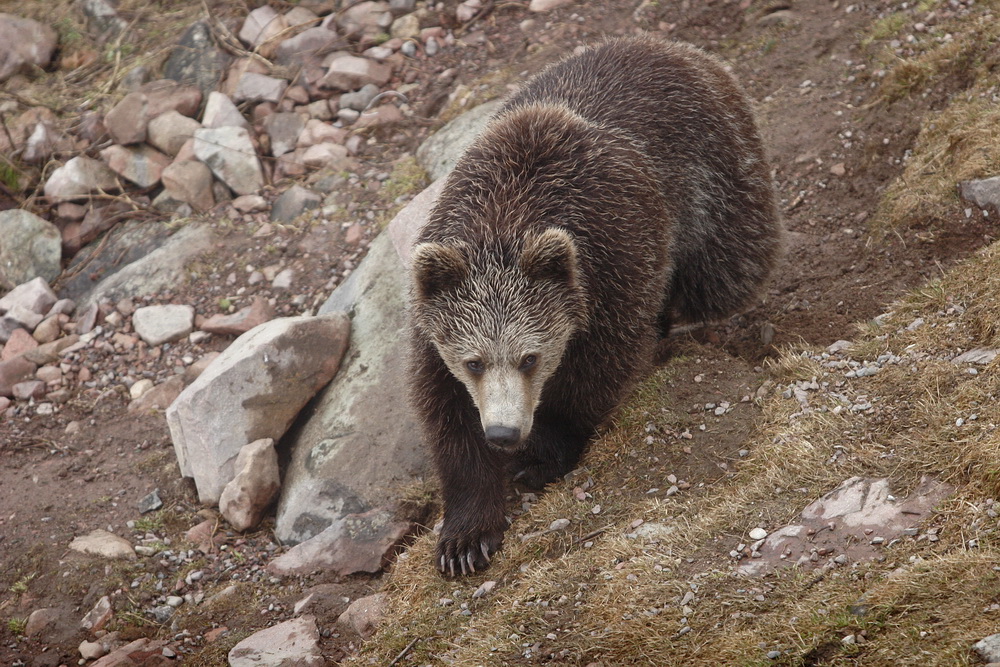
column 467, row 552
column 536, row 475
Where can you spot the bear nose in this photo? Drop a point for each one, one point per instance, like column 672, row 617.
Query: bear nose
column 503, row 436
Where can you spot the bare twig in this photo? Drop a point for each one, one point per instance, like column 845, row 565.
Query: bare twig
column 403, row 653
column 592, row 534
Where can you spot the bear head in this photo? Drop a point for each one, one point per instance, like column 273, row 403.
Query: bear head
column 501, row 314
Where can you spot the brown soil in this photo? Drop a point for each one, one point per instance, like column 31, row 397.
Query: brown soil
column 55, row 486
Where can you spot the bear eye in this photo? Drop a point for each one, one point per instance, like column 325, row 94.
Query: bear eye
column 528, row 361
column 476, row 366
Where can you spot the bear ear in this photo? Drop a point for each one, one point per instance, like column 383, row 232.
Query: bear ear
column 550, row 256
column 437, row 268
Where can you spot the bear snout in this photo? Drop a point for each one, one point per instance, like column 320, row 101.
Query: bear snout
column 503, row 436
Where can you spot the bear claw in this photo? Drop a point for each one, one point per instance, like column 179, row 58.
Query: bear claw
column 456, row 558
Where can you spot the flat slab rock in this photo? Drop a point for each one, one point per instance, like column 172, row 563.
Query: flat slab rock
column 160, row 324
column 354, row 543
column 253, row 390
column 853, row 521
column 104, row 544
column 293, row 643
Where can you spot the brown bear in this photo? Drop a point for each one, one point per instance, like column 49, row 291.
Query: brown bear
column 617, row 191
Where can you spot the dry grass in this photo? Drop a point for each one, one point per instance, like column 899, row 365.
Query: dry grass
column 959, row 142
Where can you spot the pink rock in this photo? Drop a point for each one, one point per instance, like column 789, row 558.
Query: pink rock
column 255, row 87
column 165, row 94
column 49, row 374
column 547, row 5
column 48, row 353
column 300, row 16
column 40, row 620
column 22, row 317
column 364, row 614
column 258, row 312
column 160, row 397
column 99, row 616
column 255, row 486
column 364, row 19
column 14, row 371
column 71, row 239
column 205, row 535
column 236, row 71
column 78, row 178
column 126, row 121
column 48, row 330
column 142, row 165
column 186, row 152
column 347, row 72
column 34, row 295
column 71, row 212
column 190, row 181
column 20, row 341
column 261, row 26
column 333, row 156
column 24, row 43
column 140, row 652
column 43, row 141
column 221, row 112
column 317, row 132
column 290, row 164
column 354, row 234
column 309, row 45
column 170, row 130
column 22, row 391
column 386, row 114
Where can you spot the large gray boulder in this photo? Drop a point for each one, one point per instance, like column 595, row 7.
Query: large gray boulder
column 439, row 153
column 29, row 247
column 252, row 391
column 361, row 445
column 142, row 259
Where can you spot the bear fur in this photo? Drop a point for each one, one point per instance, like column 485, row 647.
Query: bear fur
column 618, row 191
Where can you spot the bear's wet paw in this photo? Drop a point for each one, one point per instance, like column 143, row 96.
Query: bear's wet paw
column 467, row 552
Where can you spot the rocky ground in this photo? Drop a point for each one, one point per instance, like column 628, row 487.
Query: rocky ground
column 82, row 432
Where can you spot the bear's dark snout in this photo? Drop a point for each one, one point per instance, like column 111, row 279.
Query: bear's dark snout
column 503, row 436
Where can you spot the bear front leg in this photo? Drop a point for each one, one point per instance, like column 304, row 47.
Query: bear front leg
column 473, row 486
column 553, row 450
